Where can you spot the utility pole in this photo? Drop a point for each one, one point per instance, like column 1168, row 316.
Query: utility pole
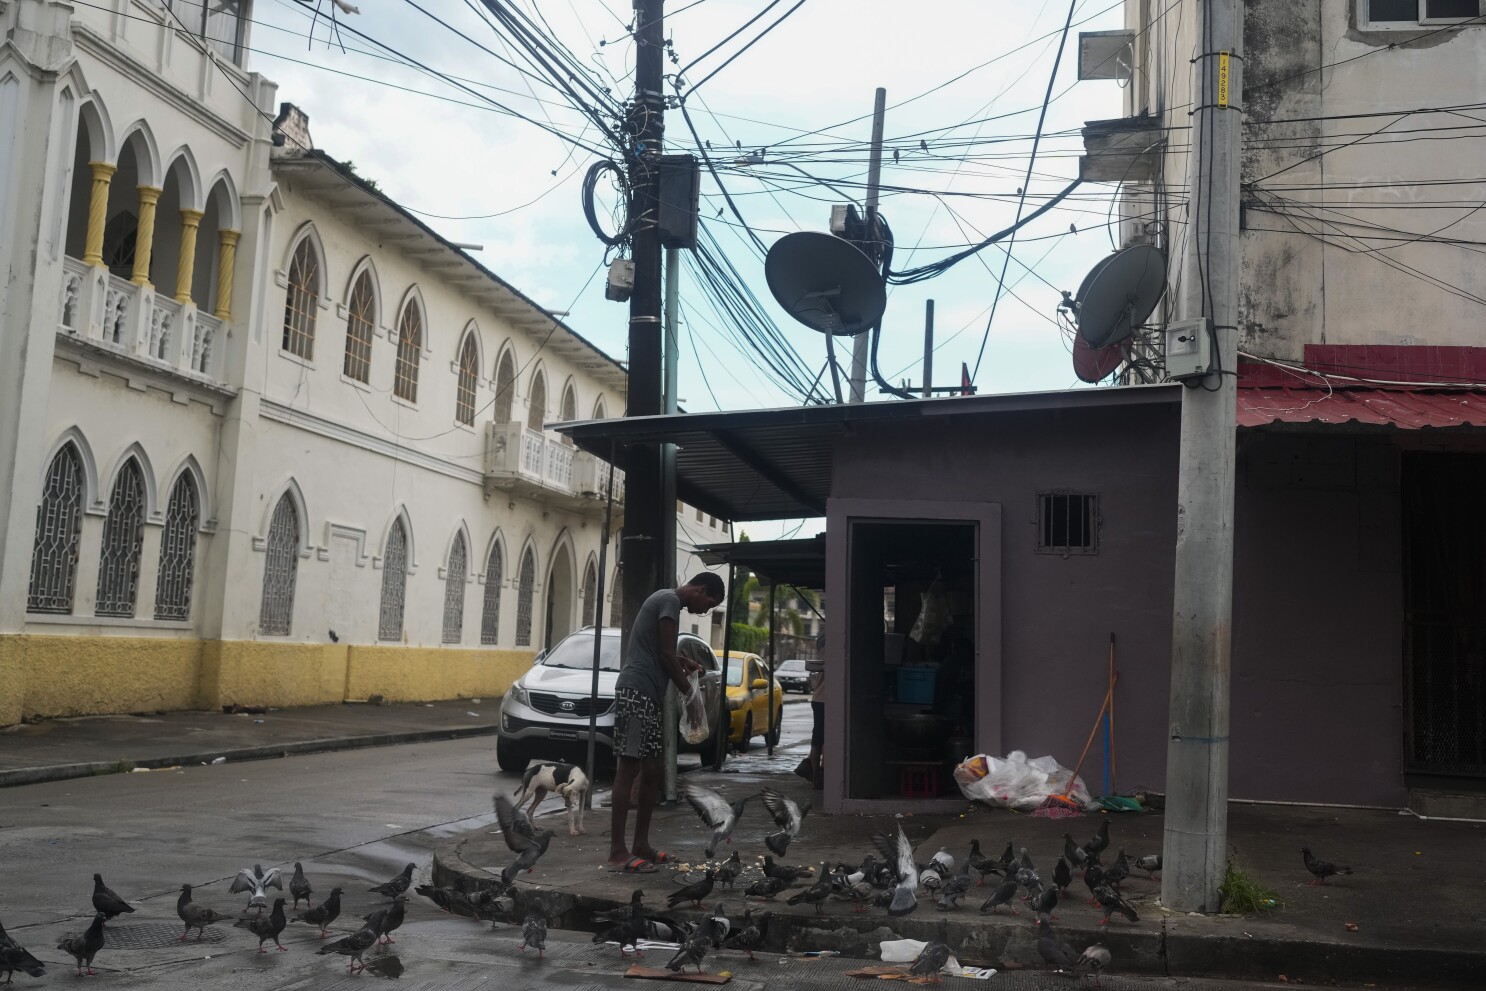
column 862, row 342
column 666, row 562
column 928, row 349
column 1196, row 840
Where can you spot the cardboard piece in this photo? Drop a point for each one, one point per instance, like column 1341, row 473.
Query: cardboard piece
column 657, row 974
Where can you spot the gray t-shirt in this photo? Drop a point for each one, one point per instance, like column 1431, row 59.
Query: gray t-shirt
column 642, row 669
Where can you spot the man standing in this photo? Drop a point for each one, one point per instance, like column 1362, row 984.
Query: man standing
column 650, row 663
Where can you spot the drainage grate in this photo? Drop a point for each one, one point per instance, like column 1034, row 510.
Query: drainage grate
column 154, row 935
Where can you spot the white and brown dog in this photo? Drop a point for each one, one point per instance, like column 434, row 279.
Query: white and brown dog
column 567, row 780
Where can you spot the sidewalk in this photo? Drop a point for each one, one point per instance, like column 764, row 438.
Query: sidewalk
column 56, row 749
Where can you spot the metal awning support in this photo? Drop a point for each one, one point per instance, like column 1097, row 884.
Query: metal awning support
column 767, row 471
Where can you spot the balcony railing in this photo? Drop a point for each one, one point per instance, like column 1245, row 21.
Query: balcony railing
column 538, row 464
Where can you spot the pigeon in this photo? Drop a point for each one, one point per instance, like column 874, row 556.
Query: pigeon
column 923, row 145
column 956, row 886
column 1109, row 899
column 1073, row 853
column 488, row 903
column 750, row 936
column 107, row 901
column 980, row 863
column 1002, row 896
column 388, row 919
column 784, row 872
column 692, row 951
column 1151, row 864
column 256, row 884
column 1054, row 952
column 859, row 892
column 787, row 816
column 195, row 916
column 324, row 914
column 721, row 926
column 84, row 947
column 352, row 946
column 534, row 934
column 1026, row 875
column 899, row 852
column 727, row 874
column 445, row 898
column 632, row 927
column 1100, row 840
column 815, row 894
column 943, row 862
column 930, row 961
column 1007, row 858
column 930, row 880
column 523, row 840
column 267, row 927
column 716, row 812
column 397, row 886
column 1117, row 871
column 624, row 911
column 895, row 156
column 1062, row 876
column 1093, row 877
column 14, row 957
column 1096, row 958
column 693, row 892
column 299, row 886
column 764, row 887
column 666, row 930
column 1321, row 868
column 1045, row 901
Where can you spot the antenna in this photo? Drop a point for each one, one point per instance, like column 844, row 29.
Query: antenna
column 825, row 283
column 1118, row 295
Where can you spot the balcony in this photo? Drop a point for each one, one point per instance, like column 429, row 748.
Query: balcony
column 538, row 465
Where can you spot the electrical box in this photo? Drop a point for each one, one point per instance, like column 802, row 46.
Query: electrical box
column 621, row 284
column 680, row 182
column 1188, row 349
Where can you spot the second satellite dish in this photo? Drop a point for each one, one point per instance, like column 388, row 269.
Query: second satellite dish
column 1119, row 294
column 825, row 283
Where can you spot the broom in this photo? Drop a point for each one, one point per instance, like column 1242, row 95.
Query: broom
column 1062, row 806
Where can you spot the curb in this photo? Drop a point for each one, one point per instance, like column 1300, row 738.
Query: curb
column 63, row 772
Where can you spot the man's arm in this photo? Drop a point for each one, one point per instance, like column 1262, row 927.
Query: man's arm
column 676, row 668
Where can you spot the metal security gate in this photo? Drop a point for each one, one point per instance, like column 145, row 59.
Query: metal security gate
column 1444, row 566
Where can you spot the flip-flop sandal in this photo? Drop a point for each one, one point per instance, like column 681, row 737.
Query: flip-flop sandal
column 635, row 865
column 661, row 857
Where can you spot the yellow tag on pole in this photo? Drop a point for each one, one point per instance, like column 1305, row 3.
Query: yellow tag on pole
column 1222, row 79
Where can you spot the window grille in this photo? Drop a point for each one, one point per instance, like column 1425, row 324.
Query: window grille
column 590, row 590
column 525, row 589
column 1067, row 523
column 59, row 522
column 394, row 583
column 464, row 396
column 302, row 302
column 505, row 388
column 616, row 602
column 490, row 616
column 123, row 536
column 178, row 552
column 280, row 567
column 454, row 593
column 536, row 411
column 409, row 352
column 359, row 327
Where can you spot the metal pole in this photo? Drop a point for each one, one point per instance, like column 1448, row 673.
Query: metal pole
column 598, row 625
column 1196, row 831
column 862, row 341
column 666, row 559
column 723, row 722
column 928, row 348
column 769, row 689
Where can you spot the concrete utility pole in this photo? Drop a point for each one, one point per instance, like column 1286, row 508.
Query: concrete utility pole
column 861, row 343
column 928, row 349
column 1196, row 840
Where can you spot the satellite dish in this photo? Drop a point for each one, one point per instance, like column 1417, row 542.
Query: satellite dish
column 825, row 283
column 1093, row 365
column 1119, row 294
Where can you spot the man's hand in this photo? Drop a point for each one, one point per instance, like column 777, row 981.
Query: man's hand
column 688, row 665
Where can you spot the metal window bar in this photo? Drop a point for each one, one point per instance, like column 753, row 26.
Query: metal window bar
column 525, row 590
column 123, row 537
column 536, row 411
column 464, row 395
column 505, row 388
column 178, row 553
column 409, row 346
column 359, row 330
column 1067, row 523
column 616, row 605
column 59, row 522
column 302, row 302
column 394, row 584
column 490, row 614
column 454, row 593
column 280, row 568
column 590, row 589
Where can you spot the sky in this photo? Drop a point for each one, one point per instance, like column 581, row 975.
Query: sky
column 965, row 82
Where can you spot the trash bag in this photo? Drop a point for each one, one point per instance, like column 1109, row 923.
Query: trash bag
column 693, row 719
column 933, row 617
column 1017, row 783
column 907, row 951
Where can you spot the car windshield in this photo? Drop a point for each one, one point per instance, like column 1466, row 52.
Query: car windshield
column 735, row 672
column 792, row 667
column 576, row 652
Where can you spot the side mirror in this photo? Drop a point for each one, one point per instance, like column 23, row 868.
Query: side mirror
column 538, row 658
column 759, row 683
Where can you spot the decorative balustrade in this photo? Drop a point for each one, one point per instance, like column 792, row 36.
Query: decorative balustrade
column 539, row 463
column 120, row 298
column 165, row 319
column 205, row 344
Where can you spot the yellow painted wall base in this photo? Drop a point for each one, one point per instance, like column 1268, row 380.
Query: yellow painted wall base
column 92, row 675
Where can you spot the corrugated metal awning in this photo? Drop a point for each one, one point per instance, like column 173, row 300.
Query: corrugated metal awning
column 1396, row 408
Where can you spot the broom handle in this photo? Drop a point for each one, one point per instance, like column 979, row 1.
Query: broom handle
column 1108, row 694
column 1113, row 766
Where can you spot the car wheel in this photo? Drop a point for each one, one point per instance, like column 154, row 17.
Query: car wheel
column 747, row 732
column 511, row 756
column 772, row 739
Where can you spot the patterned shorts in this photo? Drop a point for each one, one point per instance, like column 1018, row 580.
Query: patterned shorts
column 637, row 731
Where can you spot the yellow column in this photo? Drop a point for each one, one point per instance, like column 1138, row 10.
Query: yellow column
column 226, row 262
column 103, row 173
column 186, row 265
column 144, row 240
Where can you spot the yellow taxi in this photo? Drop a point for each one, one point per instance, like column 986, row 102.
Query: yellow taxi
column 748, row 696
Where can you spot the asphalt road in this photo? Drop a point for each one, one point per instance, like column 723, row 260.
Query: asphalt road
column 353, row 818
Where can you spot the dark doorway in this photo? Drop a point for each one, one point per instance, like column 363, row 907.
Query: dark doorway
column 1444, row 554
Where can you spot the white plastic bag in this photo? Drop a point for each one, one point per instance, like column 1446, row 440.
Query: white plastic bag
column 907, row 951
column 693, row 719
column 1018, row 783
column 933, row 616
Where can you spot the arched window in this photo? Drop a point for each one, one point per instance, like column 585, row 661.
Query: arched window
column 469, row 371
column 616, row 603
column 526, row 588
column 409, row 352
column 495, row 568
column 178, row 551
column 303, row 301
column 454, row 593
column 123, row 536
column 59, row 522
column 536, row 411
column 590, row 590
column 280, row 566
column 359, row 327
column 568, row 411
column 505, row 387
column 394, row 583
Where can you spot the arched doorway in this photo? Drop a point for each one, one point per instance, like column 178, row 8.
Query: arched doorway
column 560, row 580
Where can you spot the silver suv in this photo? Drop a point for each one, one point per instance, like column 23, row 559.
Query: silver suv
column 544, row 715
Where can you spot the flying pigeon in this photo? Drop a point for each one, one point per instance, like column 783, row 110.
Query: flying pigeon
column 750, row 936
column 787, row 816
column 815, row 894
column 195, row 916
column 1054, row 952
column 1109, row 899
column 721, row 926
column 727, row 874
column 691, row 952
column 1062, row 876
column 1100, row 840
column 1001, row 896
column 534, row 934
column 299, row 886
column 980, row 863
column 267, row 927
column 385, row 920
column 899, row 852
column 1096, row 958
column 716, row 812
column 1151, row 864
column 784, row 872
column 397, row 886
column 14, row 957
column 693, row 892
column 255, row 882
column 107, row 901
column 1073, row 853
column 764, row 887
column 930, row 961
column 324, row 914
column 84, row 947
column 1320, row 868
column 352, row 946
column 523, row 840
